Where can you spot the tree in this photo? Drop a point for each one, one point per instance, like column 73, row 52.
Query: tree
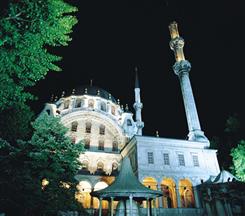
column 28, row 29
column 37, row 176
column 15, row 123
column 238, row 158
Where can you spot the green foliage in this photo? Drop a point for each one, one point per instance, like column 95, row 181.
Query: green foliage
column 238, row 157
column 27, row 30
column 232, row 124
column 15, row 123
column 50, row 155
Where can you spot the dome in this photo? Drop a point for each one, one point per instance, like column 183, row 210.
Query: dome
column 94, row 91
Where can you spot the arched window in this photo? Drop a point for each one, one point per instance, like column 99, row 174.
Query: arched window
column 79, row 102
column 113, row 110
column 101, row 145
column 87, row 143
column 91, row 103
column 74, row 126
column 102, row 129
column 84, row 164
column 83, row 194
column 186, row 193
column 48, row 111
column 100, row 166
column 103, row 106
column 73, row 140
column 129, row 123
column 151, row 183
column 115, row 146
column 169, row 193
column 66, row 104
column 88, row 127
column 114, row 166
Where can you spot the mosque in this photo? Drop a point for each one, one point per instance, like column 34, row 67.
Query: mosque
column 110, row 132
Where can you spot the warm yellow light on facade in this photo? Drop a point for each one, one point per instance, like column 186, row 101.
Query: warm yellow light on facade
column 65, row 185
column 45, row 182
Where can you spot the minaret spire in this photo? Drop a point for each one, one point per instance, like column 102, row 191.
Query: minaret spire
column 182, row 68
column 138, row 105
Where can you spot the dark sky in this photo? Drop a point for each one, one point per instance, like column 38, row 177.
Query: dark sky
column 114, row 36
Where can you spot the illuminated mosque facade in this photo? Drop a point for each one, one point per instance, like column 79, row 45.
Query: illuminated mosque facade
column 111, row 132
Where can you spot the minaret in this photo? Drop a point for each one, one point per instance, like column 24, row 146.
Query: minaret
column 182, row 68
column 138, row 105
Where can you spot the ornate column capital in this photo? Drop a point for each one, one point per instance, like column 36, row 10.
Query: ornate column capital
column 138, row 105
column 181, row 67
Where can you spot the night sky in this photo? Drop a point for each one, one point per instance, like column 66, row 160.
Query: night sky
column 112, row 37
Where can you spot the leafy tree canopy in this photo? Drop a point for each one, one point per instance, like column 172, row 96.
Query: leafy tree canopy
column 49, row 156
column 27, row 30
column 238, row 157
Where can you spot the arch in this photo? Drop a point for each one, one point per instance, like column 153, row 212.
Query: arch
column 113, row 110
column 114, row 145
column 91, row 103
column 114, row 166
column 87, row 143
column 88, row 126
column 103, row 106
column 85, row 164
column 102, row 129
column 100, row 165
column 129, row 122
column 66, row 104
column 83, row 194
column 186, row 193
column 151, row 183
column 101, row 145
column 168, row 187
column 79, row 102
column 74, row 126
column 99, row 186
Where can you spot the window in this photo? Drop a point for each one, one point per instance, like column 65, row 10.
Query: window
column 181, row 160
column 87, row 143
column 166, row 159
column 78, row 103
column 102, row 130
column 195, row 160
column 103, row 106
column 91, row 103
column 113, row 110
column 129, row 123
column 115, row 146
column 101, row 145
column 48, row 111
column 66, row 104
column 73, row 140
column 150, row 158
column 88, row 127
column 74, row 126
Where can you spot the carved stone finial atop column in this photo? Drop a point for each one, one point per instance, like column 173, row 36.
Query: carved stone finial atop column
column 63, row 94
column 52, row 98
column 177, row 43
column 86, row 91
column 118, row 101
column 122, row 107
column 126, row 108
column 73, row 91
column 56, row 98
column 157, row 133
column 98, row 92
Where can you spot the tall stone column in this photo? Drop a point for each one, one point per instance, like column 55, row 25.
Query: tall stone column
column 138, row 105
column 182, row 68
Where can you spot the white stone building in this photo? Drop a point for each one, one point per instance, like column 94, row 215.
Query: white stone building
column 109, row 133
